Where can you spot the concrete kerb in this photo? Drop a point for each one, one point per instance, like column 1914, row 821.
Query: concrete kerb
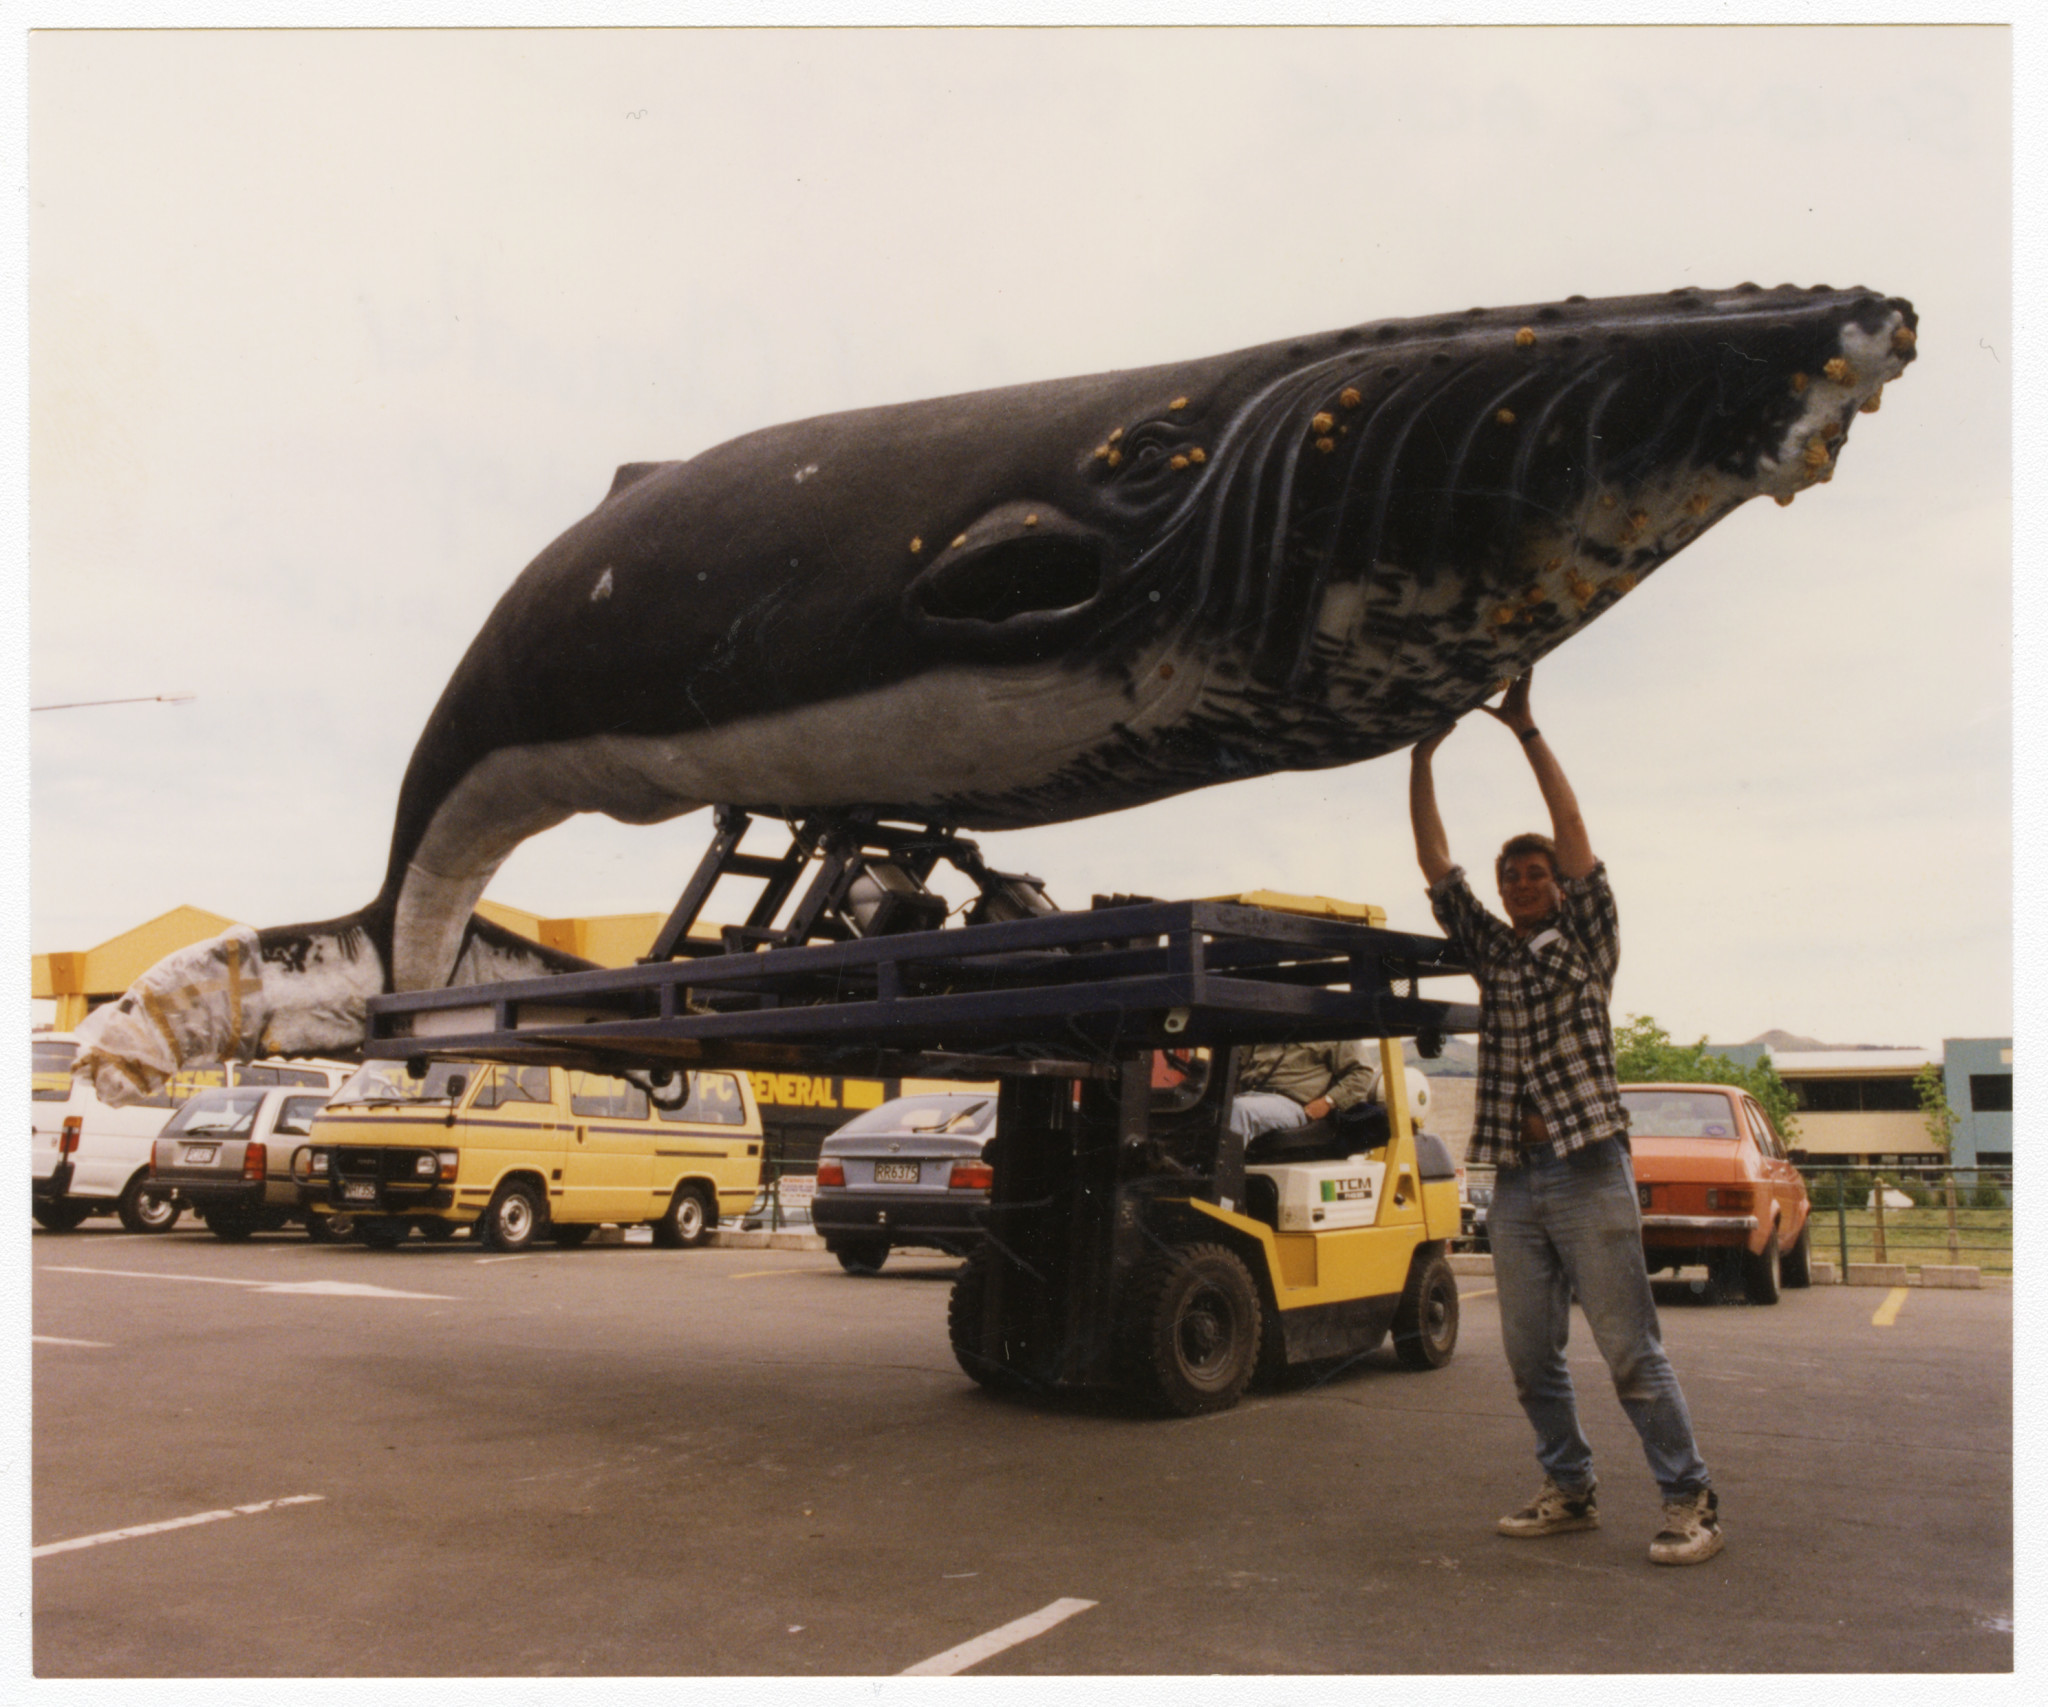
column 733, row 1240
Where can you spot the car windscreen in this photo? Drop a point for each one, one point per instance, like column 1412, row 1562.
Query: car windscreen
column 51, row 1070
column 388, row 1081
column 219, row 1112
column 955, row 1116
column 1678, row 1114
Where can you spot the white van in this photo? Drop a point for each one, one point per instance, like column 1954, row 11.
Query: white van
column 92, row 1159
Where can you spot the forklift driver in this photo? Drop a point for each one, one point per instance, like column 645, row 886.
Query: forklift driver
column 1564, row 1222
column 1285, row 1085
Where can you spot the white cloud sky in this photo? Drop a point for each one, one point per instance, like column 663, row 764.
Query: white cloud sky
column 332, row 332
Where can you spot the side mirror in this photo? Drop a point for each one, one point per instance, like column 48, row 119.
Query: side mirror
column 457, row 1084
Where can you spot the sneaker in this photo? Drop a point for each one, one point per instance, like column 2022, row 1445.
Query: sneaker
column 1691, row 1532
column 1552, row 1512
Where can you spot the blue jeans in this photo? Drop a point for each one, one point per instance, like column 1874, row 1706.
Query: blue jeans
column 1253, row 1112
column 1565, row 1225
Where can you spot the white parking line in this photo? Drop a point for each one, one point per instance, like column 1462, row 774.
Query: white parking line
column 956, row 1660
column 308, row 1288
column 102, row 1539
column 52, row 1339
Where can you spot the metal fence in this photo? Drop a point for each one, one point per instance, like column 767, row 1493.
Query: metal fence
column 1912, row 1214
column 1925, row 1213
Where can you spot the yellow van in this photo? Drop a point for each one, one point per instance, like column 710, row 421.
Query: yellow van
column 524, row 1153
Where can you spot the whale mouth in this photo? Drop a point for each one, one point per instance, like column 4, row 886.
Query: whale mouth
column 1014, row 583
column 1054, row 575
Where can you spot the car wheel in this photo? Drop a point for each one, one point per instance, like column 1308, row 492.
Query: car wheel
column 569, row 1237
column 327, row 1229
column 1190, row 1325
column 436, row 1231
column 144, row 1210
column 229, row 1225
column 864, row 1256
column 513, row 1220
column 978, row 1351
column 1426, row 1319
column 687, row 1222
column 60, row 1217
column 381, row 1232
column 1797, row 1268
column 1760, row 1272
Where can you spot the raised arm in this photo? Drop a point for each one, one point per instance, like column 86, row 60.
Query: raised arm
column 1575, row 856
column 1432, row 845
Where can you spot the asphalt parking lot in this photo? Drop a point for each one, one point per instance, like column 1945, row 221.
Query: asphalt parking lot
column 621, row 1460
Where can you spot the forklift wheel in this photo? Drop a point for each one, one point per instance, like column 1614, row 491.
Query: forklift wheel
column 1191, row 1329
column 974, row 1349
column 1426, row 1320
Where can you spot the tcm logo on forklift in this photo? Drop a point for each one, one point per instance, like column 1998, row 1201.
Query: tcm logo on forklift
column 1354, row 1189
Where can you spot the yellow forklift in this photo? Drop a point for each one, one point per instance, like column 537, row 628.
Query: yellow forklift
column 1132, row 1240
column 1135, row 1241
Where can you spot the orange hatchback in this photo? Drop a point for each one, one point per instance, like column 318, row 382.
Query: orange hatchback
column 1716, row 1188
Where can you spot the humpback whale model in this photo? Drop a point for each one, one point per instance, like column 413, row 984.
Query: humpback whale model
column 1028, row 605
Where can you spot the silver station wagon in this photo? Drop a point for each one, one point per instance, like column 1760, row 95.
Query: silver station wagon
column 907, row 1173
column 227, row 1154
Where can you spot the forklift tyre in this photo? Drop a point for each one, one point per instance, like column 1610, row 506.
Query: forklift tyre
column 1190, row 1324
column 1426, row 1319
column 981, row 1360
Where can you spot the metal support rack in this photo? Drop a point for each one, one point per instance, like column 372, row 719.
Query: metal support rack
column 1065, row 994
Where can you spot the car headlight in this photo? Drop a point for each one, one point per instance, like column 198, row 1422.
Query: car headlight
column 426, row 1165
column 317, row 1162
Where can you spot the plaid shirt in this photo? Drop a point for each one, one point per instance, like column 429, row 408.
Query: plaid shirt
column 1544, row 1030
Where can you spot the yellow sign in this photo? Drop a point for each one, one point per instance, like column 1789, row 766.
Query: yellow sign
column 813, row 1090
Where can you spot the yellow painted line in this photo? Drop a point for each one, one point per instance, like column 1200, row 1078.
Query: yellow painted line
column 1888, row 1311
column 764, row 1273
column 1480, row 1292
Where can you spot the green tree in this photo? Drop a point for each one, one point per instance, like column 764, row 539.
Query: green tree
column 1932, row 1084
column 1644, row 1053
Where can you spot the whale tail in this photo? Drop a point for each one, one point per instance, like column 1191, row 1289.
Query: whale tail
column 287, row 990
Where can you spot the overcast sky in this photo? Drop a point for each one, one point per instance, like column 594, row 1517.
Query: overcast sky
column 332, row 333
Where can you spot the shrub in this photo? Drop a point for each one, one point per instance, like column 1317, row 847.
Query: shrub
column 1987, row 1195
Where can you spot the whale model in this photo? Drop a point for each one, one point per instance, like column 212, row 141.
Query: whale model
column 1033, row 604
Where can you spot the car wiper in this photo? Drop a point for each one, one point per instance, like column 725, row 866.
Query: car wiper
column 965, row 1114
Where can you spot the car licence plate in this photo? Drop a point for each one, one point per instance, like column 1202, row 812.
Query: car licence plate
column 896, row 1173
column 364, row 1193
column 197, row 1153
column 1643, row 1195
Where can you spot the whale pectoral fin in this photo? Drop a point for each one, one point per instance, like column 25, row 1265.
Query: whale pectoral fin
column 1014, row 578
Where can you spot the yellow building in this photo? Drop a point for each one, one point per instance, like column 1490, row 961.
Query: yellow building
column 82, row 980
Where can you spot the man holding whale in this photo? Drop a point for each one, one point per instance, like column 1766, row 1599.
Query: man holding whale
column 1564, row 1223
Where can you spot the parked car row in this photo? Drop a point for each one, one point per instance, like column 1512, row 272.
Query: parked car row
column 513, row 1154
column 89, row 1158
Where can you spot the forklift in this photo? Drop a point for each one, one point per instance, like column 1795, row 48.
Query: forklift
column 1133, row 1241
